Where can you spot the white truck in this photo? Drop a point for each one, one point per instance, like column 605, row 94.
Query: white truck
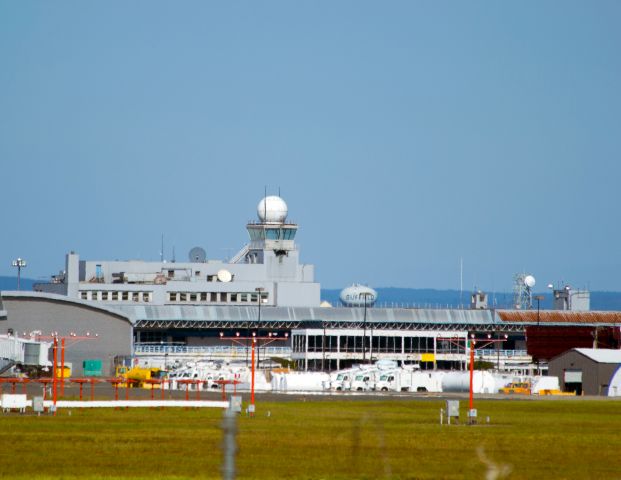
column 389, row 380
column 365, row 380
column 342, row 379
column 407, row 380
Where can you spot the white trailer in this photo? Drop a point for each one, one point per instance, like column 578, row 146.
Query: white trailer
column 482, row 382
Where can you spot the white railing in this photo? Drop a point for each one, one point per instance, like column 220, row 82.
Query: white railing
column 239, row 255
column 490, row 352
column 206, row 350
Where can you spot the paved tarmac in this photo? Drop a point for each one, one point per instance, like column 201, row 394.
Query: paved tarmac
column 103, row 390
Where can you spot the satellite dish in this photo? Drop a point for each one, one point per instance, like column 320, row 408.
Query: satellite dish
column 197, row 255
column 224, row 276
column 529, row 281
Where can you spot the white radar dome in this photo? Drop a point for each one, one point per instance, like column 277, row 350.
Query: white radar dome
column 529, row 281
column 357, row 296
column 272, row 209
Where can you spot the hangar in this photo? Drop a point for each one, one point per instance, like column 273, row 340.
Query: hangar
column 103, row 333
column 586, row 370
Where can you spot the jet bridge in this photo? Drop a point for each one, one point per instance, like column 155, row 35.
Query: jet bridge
column 22, row 351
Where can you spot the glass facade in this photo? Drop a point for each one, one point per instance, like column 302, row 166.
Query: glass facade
column 272, row 233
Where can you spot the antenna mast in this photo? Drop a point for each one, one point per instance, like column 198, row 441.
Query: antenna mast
column 461, row 282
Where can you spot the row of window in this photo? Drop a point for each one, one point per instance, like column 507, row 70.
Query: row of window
column 272, row 233
column 116, row 296
column 216, row 297
column 383, row 344
column 151, row 337
column 174, row 297
column 197, row 274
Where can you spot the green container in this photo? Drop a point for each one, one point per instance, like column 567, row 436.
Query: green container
column 92, row 368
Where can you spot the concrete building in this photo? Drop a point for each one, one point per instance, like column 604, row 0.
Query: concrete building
column 567, row 298
column 267, row 268
column 392, row 333
column 168, row 308
column 585, row 371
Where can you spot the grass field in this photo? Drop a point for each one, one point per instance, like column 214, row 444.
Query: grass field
column 322, row 439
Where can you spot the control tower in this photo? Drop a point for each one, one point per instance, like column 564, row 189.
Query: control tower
column 273, row 259
column 272, row 237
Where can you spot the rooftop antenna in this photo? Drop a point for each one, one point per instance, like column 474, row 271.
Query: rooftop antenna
column 173, row 256
column 229, row 251
column 461, row 282
column 162, row 250
column 265, row 203
column 197, row 255
column 523, row 284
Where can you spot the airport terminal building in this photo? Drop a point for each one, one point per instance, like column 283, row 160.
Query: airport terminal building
column 175, row 308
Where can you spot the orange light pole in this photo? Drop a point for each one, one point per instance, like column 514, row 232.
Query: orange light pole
column 55, row 377
column 271, row 337
column 471, row 372
column 55, row 373
column 62, row 367
column 488, row 341
column 80, row 382
column 254, row 341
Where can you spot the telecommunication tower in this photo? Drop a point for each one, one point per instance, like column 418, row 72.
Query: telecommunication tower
column 523, row 284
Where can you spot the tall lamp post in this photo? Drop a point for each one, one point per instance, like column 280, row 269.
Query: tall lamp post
column 538, row 298
column 19, row 263
column 260, row 291
column 364, row 328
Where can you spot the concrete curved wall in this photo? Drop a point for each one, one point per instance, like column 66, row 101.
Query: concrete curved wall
column 27, row 312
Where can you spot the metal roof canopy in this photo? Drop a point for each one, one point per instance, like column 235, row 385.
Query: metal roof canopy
column 601, row 355
column 559, row 317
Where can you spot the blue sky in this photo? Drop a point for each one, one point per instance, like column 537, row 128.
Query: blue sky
column 403, row 135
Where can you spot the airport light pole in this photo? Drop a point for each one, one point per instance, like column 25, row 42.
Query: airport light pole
column 255, row 343
column 260, row 291
column 470, row 404
column 59, row 351
column 538, row 298
column 19, row 263
column 364, row 328
column 323, row 347
column 485, row 342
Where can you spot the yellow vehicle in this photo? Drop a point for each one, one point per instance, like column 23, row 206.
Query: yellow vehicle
column 66, row 373
column 525, row 388
column 138, row 375
column 556, row 392
column 519, row 388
